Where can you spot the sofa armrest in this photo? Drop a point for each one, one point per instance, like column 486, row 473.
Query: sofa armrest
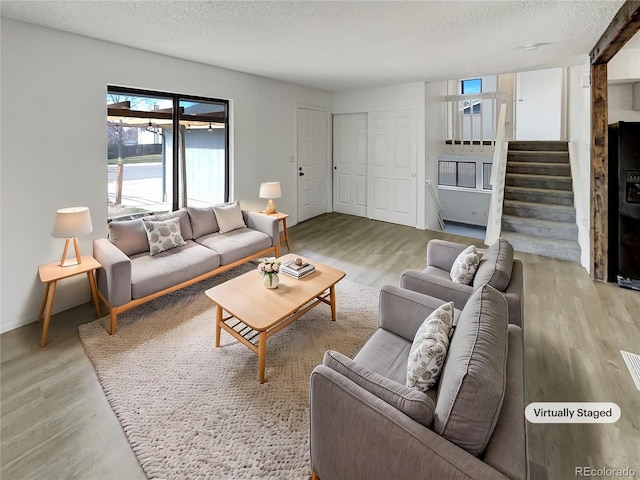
column 263, row 223
column 437, row 287
column 442, row 254
column 515, row 294
column 367, row 438
column 114, row 278
column 403, row 311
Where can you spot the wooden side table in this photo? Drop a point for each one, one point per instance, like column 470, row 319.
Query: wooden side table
column 281, row 217
column 51, row 273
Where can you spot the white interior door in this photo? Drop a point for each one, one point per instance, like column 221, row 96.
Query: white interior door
column 350, row 163
column 392, row 169
column 539, row 105
column 313, row 163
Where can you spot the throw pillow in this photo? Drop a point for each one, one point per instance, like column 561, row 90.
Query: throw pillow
column 465, row 266
column 163, row 235
column 416, row 405
column 229, row 217
column 429, row 348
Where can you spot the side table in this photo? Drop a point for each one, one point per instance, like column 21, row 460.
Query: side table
column 51, row 273
column 281, row 217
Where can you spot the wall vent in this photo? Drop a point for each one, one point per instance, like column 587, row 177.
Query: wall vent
column 633, row 364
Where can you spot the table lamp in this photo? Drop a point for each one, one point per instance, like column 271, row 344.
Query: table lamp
column 71, row 223
column 270, row 190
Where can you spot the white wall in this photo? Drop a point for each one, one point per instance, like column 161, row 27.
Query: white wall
column 625, row 65
column 579, row 133
column 397, row 97
column 620, row 104
column 54, row 143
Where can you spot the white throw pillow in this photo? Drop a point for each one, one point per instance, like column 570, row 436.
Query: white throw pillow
column 229, row 217
column 163, row 235
column 465, row 266
column 429, row 349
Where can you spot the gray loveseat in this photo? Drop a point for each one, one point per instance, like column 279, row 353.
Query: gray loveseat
column 130, row 276
column 497, row 268
column 366, row 424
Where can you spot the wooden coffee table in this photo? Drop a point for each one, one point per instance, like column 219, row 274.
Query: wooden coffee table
column 254, row 312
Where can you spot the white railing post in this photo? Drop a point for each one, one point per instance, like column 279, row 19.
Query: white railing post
column 498, row 174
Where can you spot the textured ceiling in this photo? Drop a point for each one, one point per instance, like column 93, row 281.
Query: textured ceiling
column 341, row 45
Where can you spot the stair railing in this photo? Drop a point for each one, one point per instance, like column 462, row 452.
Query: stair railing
column 498, row 175
column 435, row 202
column 466, row 114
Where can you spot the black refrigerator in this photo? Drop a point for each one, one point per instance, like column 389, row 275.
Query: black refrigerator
column 624, row 204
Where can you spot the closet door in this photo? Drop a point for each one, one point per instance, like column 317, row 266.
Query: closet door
column 392, row 167
column 350, row 163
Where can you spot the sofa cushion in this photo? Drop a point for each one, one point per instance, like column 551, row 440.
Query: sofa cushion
column 229, row 217
column 185, row 223
column 129, row 236
column 166, row 269
column 495, row 266
column 203, row 221
column 473, row 379
column 465, row 266
column 429, row 348
column 411, row 402
column 163, row 235
column 236, row 244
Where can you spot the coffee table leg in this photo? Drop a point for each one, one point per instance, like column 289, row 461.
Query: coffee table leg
column 332, row 299
column 218, row 322
column 262, row 355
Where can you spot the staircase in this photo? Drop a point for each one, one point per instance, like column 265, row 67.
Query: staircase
column 538, row 215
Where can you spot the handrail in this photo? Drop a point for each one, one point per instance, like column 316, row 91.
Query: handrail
column 498, row 174
column 436, row 201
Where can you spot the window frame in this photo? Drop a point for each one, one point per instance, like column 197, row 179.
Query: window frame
column 176, row 98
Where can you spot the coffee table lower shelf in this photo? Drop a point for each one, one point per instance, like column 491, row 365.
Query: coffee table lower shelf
column 256, row 340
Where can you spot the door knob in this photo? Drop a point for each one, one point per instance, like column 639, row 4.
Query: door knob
column 302, row 174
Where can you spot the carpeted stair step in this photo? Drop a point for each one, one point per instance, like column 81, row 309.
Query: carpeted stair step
column 555, row 213
column 538, row 181
column 539, row 195
column 549, row 146
column 538, row 156
column 540, row 228
column 562, row 249
column 537, row 168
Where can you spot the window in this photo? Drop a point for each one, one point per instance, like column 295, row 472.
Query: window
column 486, row 176
column 457, row 174
column 165, row 151
column 467, row 87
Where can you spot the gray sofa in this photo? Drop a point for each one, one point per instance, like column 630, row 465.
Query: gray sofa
column 130, row 276
column 366, row 424
column 497, row 268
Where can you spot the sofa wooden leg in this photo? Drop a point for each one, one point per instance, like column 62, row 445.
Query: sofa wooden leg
column 113, row 317
column 314, row 476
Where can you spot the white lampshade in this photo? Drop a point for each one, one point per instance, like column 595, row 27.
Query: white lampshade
column 72, row 222
column 270, row 190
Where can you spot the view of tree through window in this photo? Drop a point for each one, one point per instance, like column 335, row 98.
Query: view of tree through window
column 165, row 151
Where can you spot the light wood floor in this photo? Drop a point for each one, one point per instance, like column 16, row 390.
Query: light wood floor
column 57, row 423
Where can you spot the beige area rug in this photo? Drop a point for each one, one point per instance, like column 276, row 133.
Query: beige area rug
column 193, row 411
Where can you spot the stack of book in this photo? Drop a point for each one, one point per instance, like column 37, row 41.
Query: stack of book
column 295, row 270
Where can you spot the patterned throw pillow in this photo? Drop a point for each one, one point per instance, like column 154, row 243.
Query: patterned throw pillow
column 163, row 235
column 465, row 266
column 429, row 349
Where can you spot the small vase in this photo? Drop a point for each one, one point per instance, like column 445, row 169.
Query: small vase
column 270, row 280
